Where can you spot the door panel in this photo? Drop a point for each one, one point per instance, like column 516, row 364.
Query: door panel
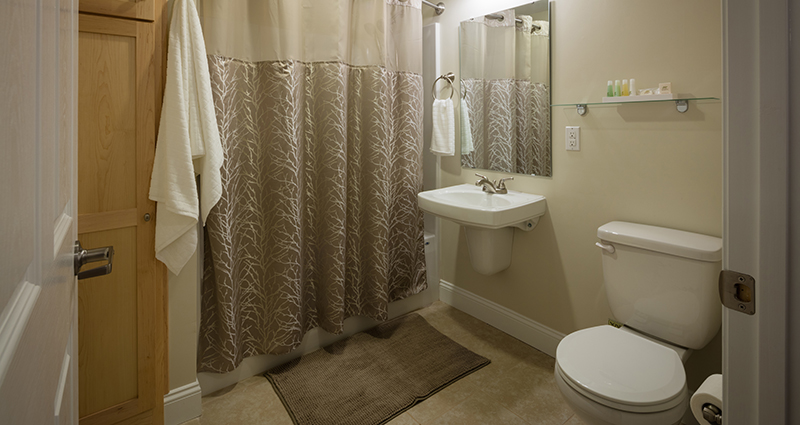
column 134, row 9
column 118, row 313
column 38, row 212
column 108, row 101
column 114, row 323
column 18, row 118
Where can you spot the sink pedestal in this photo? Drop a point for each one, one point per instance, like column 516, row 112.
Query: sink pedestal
column 489, row 249
column 488, row 219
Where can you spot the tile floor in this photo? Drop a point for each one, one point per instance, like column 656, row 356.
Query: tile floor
column 516, row 388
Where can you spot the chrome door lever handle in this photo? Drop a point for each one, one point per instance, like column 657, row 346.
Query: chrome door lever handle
column 85, row 256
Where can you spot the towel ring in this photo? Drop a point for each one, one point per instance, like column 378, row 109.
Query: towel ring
column 449, row 77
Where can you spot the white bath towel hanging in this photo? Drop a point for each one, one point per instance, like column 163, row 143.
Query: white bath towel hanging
column 466, row 129
column 443, row 140
column 188, row 143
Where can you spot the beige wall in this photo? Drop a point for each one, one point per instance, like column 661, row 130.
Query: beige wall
column 183, row 323
column 183, row 315
column 643, row 163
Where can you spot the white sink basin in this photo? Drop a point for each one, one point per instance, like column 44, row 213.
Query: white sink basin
column 468, row 205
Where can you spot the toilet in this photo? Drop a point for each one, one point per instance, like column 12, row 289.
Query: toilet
column 661, row 285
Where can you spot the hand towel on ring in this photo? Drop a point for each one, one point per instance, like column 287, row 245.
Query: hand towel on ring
column 443, row 140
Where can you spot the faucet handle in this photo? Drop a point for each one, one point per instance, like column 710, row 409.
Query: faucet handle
column 482, row 178
column 502, row 183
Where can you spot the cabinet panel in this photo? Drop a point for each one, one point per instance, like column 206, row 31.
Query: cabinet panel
column 135, row 9
column 107, row 122
column 107, row 323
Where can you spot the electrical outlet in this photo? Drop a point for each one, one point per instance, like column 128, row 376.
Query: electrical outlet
column 573, row 138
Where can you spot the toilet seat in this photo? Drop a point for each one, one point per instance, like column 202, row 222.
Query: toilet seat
column 621, row 370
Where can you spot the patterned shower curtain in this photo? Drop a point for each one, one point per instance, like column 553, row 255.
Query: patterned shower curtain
column 505, row 77
column 319, row 106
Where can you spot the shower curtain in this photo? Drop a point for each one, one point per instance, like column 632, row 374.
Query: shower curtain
column 505, row 73
column 319, row 107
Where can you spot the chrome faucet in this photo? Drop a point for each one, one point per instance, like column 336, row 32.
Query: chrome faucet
column 492, row 187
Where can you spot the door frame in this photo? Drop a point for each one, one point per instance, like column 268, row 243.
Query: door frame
column 756, row 197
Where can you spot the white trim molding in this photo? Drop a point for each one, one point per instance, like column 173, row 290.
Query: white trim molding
column 524, row 329
column 183, row 404
column 13, row 320
column 757, row 234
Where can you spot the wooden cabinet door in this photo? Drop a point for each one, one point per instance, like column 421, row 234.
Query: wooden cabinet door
column 133, row 9
column 118, row 314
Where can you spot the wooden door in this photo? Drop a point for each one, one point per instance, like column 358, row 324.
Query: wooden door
column 121, row 315
column 38, row 295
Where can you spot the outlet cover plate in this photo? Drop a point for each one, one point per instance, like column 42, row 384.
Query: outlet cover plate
column 573, row 138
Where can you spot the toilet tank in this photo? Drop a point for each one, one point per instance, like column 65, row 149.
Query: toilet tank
column 663, row 282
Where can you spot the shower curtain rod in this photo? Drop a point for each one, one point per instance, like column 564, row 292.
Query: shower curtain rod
column 517, row 20
column 439, row 7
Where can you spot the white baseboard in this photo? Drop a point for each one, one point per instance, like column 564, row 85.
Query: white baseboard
column 526, row 330
column 183, row 404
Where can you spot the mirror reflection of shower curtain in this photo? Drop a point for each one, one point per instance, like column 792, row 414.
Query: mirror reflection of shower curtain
column 505, row 72
column 320, row 116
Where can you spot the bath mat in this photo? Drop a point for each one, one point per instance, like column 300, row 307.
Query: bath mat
column 373, row 376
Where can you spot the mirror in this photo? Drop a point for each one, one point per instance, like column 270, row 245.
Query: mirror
column 505, row 89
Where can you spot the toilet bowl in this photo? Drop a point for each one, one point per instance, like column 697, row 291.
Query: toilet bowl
column 610, row 376
column 661, row 284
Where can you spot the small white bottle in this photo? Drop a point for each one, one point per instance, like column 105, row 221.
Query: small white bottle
column 632, row 85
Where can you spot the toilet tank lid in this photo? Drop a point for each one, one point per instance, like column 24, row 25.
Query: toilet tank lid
column 660, row 239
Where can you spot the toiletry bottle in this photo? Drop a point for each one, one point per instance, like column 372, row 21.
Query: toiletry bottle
column 625, row 91
column 616, row 88
column 610, row 91
column 632, row 87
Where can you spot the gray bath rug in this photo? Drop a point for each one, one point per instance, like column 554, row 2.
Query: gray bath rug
column 373, row 376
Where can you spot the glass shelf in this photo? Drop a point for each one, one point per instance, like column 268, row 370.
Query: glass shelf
column 682, row 103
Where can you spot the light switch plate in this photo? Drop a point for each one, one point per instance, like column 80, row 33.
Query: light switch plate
column 573, row 138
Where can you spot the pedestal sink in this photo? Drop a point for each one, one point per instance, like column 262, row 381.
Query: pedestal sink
column 489, row 220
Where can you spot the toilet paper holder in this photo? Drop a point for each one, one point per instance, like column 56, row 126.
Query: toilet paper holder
column 712, row 414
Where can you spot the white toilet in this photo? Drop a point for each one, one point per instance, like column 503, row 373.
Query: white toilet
column 662, row 285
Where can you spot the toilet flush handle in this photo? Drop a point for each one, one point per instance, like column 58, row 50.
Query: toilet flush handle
column 606, row 247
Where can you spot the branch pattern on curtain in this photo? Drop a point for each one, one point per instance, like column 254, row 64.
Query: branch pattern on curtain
column 508, row 95
column 319, row 219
